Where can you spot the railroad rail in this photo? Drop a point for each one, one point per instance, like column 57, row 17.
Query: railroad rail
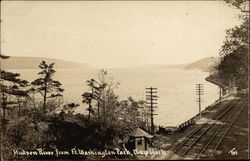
column 190, row 143
column 211, row 146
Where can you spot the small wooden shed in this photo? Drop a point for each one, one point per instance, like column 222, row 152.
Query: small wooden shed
column 139, row 139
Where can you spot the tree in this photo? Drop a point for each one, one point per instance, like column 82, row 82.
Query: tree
column 113, row 111
column 32, row 91
column 70, row 107
column 103, row 83
column 107, row 96
column 97, row 92
column 88, row 97
column 233, row 66
column 242, row 5
column 46, row 85
column 236, row 37
column 4, row 56
column 11, row 85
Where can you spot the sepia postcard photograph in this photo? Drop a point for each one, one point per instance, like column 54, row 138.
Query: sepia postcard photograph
column 124, row 80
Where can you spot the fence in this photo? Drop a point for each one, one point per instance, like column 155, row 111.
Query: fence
column 181, row 127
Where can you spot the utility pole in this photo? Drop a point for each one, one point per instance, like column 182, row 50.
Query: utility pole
column 151, row 98
column 199, row 92
column 220, row 93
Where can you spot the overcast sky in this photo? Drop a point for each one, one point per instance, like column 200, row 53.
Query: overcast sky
column 113, row 34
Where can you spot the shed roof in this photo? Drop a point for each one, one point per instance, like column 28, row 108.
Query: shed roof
column 138, row 132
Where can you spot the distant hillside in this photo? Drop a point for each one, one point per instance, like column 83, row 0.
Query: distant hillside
column 33, row 62
column 205, row 64
column 170, row 66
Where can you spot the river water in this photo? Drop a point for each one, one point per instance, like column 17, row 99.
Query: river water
column 175, row 87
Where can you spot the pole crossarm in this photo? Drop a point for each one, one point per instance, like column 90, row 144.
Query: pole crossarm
column 199, row 91
column 151, row 98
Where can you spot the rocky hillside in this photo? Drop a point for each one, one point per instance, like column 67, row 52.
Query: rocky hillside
column 205, row 64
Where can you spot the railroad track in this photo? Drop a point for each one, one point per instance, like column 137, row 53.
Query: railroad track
column 190, row 144
column 210, row 147
column 174, row 151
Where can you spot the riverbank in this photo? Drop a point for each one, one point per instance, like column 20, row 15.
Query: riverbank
column 168, row 142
